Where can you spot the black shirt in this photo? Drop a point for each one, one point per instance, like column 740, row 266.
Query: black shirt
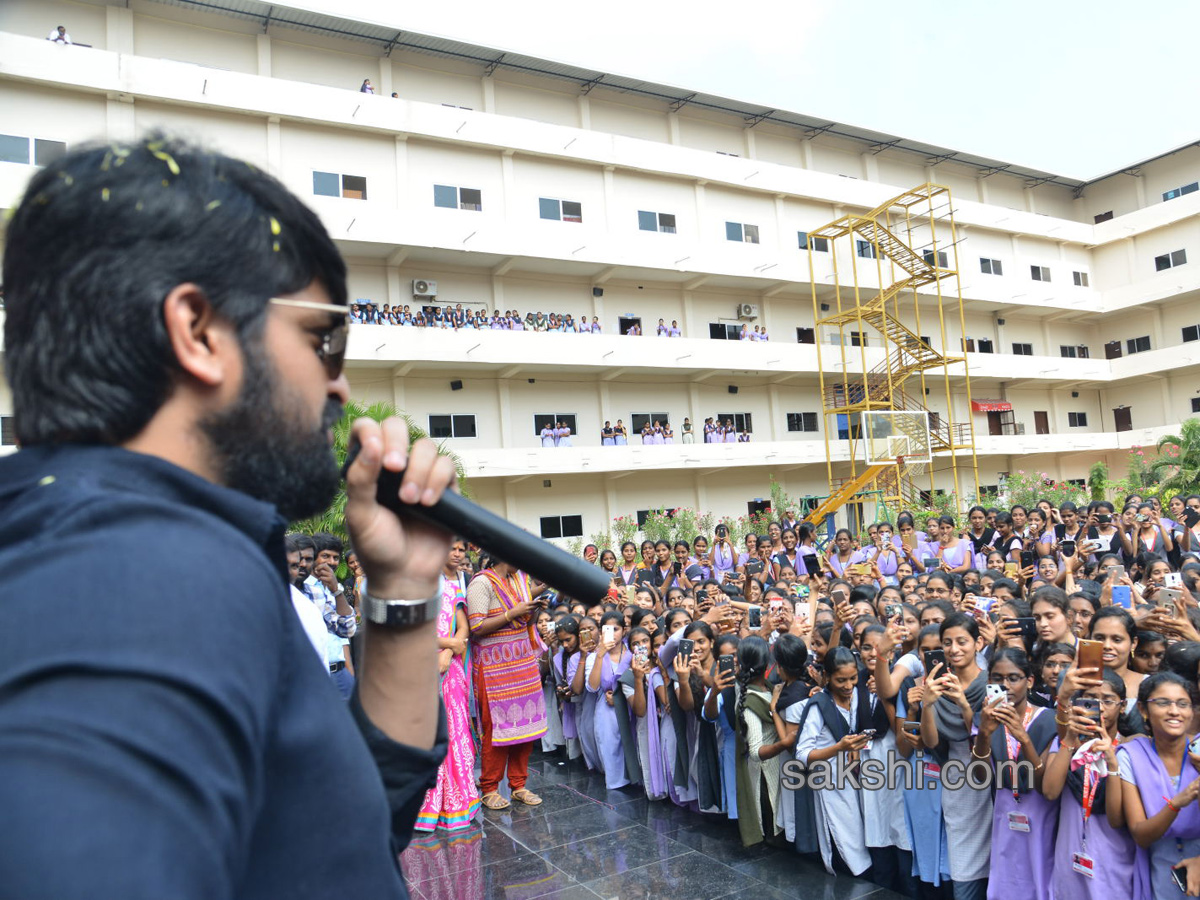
column 166, row 729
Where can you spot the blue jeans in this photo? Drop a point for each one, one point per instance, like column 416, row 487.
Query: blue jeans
column 971, row 890
column 344, row 681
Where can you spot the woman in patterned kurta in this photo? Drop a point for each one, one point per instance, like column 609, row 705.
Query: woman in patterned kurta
column 508, row 681
column 451, row 804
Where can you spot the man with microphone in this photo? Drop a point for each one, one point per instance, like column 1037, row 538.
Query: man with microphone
column 174, row 338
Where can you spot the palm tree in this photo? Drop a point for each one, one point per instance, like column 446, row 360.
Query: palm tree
column 333, row 519
column 1178, row 462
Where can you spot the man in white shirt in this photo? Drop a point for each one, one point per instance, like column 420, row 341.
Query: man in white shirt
column 310, row 617
column 59, row 35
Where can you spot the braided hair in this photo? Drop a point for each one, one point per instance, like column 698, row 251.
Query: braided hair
column 754, row 655
column 568, row 624
column 695, row 682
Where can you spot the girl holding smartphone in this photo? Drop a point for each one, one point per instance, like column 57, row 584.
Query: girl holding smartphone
column 610, row 661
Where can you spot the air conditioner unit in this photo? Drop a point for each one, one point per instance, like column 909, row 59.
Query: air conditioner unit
column 423, row 288
column 747, row 311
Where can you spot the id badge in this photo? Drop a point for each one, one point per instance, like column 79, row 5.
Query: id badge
column 933, row 770
column 1083, row 864
column 1018, row 822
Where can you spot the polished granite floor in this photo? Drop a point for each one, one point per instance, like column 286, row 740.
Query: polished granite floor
column 586, row 842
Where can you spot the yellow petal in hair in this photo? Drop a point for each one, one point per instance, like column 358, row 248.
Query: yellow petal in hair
column 275, row 246
column 165, row 157
column 104, row 194
column 211, row 205
column 275, row 227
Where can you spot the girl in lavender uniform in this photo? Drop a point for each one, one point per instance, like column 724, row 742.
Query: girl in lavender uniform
column 564, row 434
column 1094, row 854
column 668, row 436
column 621, row 436
column 563, row 668
column 1023, row 821
column 1160, row 783
column 585, row 713
column 611, row 659
column 643, row 687
column 547, row 436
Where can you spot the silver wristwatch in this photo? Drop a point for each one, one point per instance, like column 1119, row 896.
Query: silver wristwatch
column 400, row 613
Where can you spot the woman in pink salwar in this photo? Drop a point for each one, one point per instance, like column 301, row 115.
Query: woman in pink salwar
column 452, row 803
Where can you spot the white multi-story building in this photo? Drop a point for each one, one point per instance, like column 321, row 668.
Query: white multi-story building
column 507, row 182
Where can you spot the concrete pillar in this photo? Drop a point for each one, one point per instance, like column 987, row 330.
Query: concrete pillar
column 385, row 77
column 507, row 182
column 263, row 44
column 585, row 113
column 399, row 396
column 402, row 197
column 504, row 408
column 394, row 296
column 673, row 127
column 749, row 150
column 870, row 166
column 489, row 95
column 610, row 197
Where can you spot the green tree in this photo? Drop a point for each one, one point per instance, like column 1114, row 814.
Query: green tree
column 1178, row 462
column 1097, row 480
column 333, row 518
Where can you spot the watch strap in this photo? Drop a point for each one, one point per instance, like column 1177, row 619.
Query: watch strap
column 400, row 613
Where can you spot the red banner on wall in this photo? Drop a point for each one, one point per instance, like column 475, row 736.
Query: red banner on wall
column 990, row 406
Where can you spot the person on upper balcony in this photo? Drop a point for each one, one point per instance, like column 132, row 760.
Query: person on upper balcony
column 367, row 87
column 59, row 35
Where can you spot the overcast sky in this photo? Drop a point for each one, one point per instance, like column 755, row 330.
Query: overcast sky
column 1075, row 88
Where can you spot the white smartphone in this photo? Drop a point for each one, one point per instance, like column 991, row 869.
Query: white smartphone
column 995, row 691
column 1173, row 580
column 610, row 633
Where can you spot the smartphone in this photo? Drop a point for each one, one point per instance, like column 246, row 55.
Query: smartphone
column 1116, row 573
column 909, row 540
column 754, row 567
column 1010, row 570
column 932, row 658
column 839, row 595
column 1141, row 517
column 1103, row 519
column 754, row 617
column 725, row 664
column 1191, row 517
column 1028, row 559
column 994, row 692
column 868, row 733
column 1028, row 626
column 1179, row 876
column 630, row 595
column 685, row 647
column 678, row 567
column 1122, row 596
column 930, row 562
column 1194, row 746
column 913, row 728
column 893, row 610
column 1091, row 704
column 641, row 653
column 1089, row 655
column 609, row 632
column 1067, row 547
column 776, row 605
column 801, row 609
column 1169, row 598
column 812, row 563
column 1173, row 580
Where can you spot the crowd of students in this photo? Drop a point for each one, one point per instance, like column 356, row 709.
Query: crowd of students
column 727, row 679
column 457, row 318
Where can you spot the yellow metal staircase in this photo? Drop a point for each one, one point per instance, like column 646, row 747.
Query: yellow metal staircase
column 844, row 493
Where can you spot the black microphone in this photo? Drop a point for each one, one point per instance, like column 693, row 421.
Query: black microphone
column 499, row 537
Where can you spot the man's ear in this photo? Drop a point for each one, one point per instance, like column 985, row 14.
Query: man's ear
column 204, row 345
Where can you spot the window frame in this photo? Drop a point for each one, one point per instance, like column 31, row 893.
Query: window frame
column 660, row 227
column 1039, row 273
column 802, row 422
column 556, row 417
column 1140, row 344
column 456, row 419
column 1080, row 279
column 560, row 206
column 1026, row 348
column 1077, row 420
column 635, row 428
column 739, row 419
column 990, row 266
column 560, row 522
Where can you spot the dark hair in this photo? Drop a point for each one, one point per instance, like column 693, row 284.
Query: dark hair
column 101, row 237
column 290, row 545
column 1055, row 596
column 960, row 620
column 1150, row 637
column 1152, row 682
column 836, row 657
column 1182, row 658
column 323, row 541
column 568, row 624
column 612, row 616
column 303, row 542
column 791, row 654
column 1014, row 655
column 1122, row 615
column 754, row 655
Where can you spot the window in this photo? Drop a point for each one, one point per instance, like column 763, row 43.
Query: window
column 644, row 514
column 805, row 336
column 560, row 210
column 1102, row 217
column 990, row 266
column 866, row 249
column 859, row 339
column 816, row 244
column 943, row 261
column 985, row 346
column 848, row 428
column 1170, row 260
column 8, row 431
column 736, row 231
column 1023, row 349
column 1068, row 352
column 1195, row 408
column 1077, row 482
column 1138, row 344
column 741, row 421
column 449, row 197
column 541, row 420
column 1039, row 273
column 330, row 184
column 652, row 221
column 562, row 526
column 1077, row 419
column 1180, row 191
column 1191, row 333
column 1081, row 279
column 452, row 426
column 720, row 331
column 638, row 421
column 805, row 421
column 15, row 149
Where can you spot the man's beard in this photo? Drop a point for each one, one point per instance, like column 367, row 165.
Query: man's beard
column 262, row 447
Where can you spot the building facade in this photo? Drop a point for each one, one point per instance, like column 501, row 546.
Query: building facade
column 499, row 182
